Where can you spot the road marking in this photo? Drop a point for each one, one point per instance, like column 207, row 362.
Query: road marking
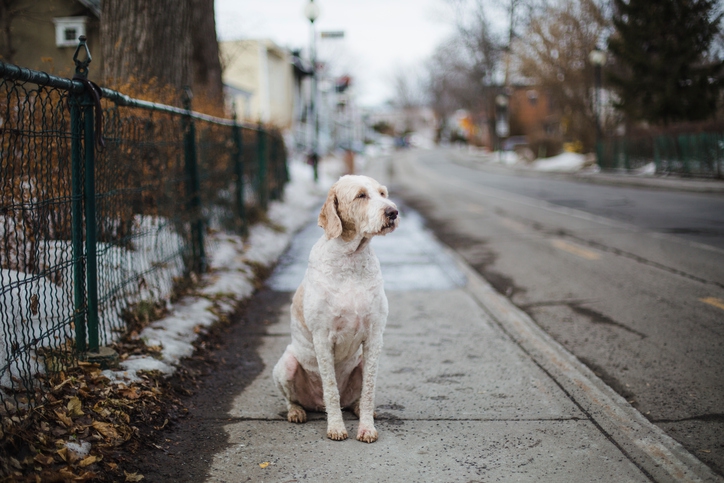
column 718, row 303
column 575, row 249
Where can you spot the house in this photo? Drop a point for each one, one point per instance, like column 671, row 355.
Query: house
column 44, row 34
column 259, row 79
column 531, row 111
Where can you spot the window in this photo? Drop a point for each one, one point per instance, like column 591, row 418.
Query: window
column 68, row 29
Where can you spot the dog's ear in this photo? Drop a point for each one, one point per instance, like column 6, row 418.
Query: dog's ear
column 329, row 218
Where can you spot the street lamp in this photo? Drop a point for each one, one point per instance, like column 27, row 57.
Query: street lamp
column 598, row 58
column 311, row 11
column 502, row 126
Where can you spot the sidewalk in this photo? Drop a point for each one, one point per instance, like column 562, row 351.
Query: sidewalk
column 469, row 390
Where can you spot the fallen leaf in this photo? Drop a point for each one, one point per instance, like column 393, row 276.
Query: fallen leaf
column 68, row 474
column 67, row 422
column 34, row 304
column 64, row 454
column 106, row 429
column 130, row 393
column 264, row 464
column 158, row 428
column 133, row 476
column 75, row 408
column 98, row 408
column 88, row 461
column 43, row 459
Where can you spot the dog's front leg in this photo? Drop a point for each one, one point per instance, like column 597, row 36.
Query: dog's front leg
column 325, row 361
column 371, row 352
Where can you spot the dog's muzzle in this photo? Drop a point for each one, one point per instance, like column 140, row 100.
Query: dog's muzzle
column 391, row 215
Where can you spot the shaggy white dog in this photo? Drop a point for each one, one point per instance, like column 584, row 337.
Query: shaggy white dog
column 339, row 312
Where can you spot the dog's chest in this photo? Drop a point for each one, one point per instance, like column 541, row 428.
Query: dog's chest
column 351, row 291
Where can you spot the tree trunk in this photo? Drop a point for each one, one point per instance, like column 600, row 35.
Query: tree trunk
column 206, row 66
column 7, row 14
column 143, row 41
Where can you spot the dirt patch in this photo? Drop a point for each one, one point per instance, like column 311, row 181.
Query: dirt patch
column 157, row 429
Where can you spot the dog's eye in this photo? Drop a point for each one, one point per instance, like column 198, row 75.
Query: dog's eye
column 382, row 193
column 362, row 195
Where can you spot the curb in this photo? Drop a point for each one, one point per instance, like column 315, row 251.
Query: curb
column 657, row 455
column 668, row 183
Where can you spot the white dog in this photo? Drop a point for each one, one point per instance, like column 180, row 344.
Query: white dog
column 339, row 312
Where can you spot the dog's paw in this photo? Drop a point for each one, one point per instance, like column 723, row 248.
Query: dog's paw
column 337, row 433
column 297, row 414
column 367, row 435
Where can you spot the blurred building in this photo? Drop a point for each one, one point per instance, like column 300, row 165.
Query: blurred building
column 531, row 112
column 260, row 81
column 44, row 34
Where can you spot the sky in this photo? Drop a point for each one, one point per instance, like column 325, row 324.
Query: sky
column 381, row 36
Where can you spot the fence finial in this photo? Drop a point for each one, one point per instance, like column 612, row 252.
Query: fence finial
column 81, row 66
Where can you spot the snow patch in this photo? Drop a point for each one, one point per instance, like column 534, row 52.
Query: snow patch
column 564, row 163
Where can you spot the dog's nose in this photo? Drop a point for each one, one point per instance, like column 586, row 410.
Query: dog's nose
column 391, row 213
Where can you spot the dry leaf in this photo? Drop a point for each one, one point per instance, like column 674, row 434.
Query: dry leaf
column 133, row 476
column 67, row 422
column 34, row 304
column 264, row 464
column 64, row 454
column 98, row 408
column 106, row 429
column 75, row 408
column 88, row 461
column 130, row 393
column 43, row 459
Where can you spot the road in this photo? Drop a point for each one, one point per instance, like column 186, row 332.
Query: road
column 630, row 280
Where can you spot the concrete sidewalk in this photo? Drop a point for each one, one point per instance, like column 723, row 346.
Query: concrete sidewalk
column 469, row 390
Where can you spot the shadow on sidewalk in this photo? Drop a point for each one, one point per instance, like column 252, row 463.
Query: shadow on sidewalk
column 226, row 361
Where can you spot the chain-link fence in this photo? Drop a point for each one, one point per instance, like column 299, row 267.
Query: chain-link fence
column 89, row 233
column 696, row 154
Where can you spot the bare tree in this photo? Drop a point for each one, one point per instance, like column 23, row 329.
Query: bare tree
column 9, row 10
column 553, row 53
column 472, row 68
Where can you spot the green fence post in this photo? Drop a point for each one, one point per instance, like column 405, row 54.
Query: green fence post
column 262, row 184
column 239, row 170
column 76, row 144
column 193, row 188
column 274, row 161
column 599, row 153
column 685, row 153
column 719, row 140
column 90, row 229
column 89, row 199
column 95, row 353
column 657, row 154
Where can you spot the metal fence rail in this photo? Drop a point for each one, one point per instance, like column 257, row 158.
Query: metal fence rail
column 87, row 235
column 695, row 154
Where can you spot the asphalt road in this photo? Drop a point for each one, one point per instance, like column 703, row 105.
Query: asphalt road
column 630, row 280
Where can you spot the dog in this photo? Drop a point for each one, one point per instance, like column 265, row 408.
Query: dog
column 339, row 312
